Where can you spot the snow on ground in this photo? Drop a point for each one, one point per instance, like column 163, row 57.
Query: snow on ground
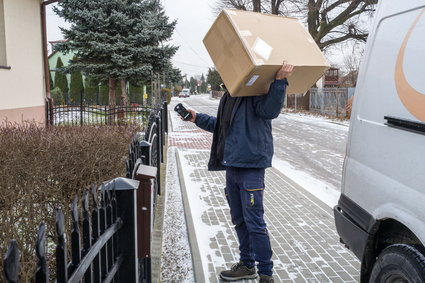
column 316, row 119
column 313, row 145
column 176, row 263
column 327, row 193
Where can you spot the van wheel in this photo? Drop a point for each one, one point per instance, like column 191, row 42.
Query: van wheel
column 399, row 263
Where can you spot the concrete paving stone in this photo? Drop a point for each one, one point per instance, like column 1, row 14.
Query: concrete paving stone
column 336, row 266
column 229, row 258
column 337, row 280
column 344, row 275
column 313, row 267
column 312, row 253
column 351, row 270
column 307, row 274
column 327, row 257
column 342, row 261
column 213, row 277
column 225, row 249
column 278, row 250
column 282, row 274
column 329, row 271
column 213, row 245
column 322, row 278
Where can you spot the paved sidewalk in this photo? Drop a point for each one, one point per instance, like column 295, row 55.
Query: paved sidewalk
column 302, row 231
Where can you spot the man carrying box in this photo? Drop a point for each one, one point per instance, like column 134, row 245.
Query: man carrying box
column 243, row 146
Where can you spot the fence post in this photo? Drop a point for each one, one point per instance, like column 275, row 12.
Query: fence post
column 42, row 271
column 145, row 149
column 11, row 262
column 165, row 118
column 103, row 227
column 125, row 194
column 61, row 258
column 160, row 149
column 162, row 133
column 86, row 234
column 145, row 174
column 109, row 223
column 81, row 108
column 337, row 103
column 95, row 234
column 75, row 237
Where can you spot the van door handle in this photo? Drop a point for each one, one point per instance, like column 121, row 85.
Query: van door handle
column 405, row 124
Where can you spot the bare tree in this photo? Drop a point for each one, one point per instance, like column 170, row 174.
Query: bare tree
column 329, row 21
column 351, row 64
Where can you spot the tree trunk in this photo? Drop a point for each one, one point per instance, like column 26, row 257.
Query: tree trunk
column 124, row 97
column 112, row 98
column 257, row 5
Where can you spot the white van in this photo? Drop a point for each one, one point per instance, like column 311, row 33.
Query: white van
column 381, row 212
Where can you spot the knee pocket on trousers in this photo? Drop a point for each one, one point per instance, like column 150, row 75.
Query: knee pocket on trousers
column 254, row 197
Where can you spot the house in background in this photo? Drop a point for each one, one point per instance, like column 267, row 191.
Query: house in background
column 22, row 75
column 331, row 78
column 53, row 58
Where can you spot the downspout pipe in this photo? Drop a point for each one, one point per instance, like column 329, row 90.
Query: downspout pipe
column 45, row 58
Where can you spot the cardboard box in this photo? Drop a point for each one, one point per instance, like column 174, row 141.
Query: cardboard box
column 248, row 49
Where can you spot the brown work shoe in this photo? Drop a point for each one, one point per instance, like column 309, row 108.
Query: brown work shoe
column 266, row 279
column 238, row 271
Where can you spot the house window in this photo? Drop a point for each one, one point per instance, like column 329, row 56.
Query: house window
column 3, row 62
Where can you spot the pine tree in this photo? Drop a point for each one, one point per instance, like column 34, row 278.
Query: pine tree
column 136, row 94
column 52, row 86
column 91, row 89
column 193, row 84
column 76, row 88
column 174, row 75
column 60, row 79
column 214, row 79
column 203, row 87
column 104, row 94
column 116, row 40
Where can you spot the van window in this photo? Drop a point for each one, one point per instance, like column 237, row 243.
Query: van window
column 3, row 61
column 379, row 80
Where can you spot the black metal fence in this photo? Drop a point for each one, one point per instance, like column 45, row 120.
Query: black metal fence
column 112, row 243
column 87, row 114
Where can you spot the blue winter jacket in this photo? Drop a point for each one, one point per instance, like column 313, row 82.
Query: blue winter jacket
column 249, row 142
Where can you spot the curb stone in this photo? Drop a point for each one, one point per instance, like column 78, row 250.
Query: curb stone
column 196, row 255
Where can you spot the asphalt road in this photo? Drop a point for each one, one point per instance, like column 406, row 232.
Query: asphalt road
column 310, row 144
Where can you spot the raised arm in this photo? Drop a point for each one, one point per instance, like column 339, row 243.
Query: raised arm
column 269, row 106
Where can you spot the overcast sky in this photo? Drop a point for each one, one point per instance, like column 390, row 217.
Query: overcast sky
column 194, row 18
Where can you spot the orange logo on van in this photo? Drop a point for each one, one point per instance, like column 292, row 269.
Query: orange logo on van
column 412, row 99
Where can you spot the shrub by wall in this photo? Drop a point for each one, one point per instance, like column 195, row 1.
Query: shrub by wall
column 41, row 169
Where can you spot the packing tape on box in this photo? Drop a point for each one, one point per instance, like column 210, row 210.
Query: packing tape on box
column 252, row 80
column 230, row 12
column 262, row 49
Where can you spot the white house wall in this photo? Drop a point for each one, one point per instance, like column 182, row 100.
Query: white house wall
column 22, row 90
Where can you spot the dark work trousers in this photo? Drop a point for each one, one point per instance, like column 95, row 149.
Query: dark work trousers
column 244, row 191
